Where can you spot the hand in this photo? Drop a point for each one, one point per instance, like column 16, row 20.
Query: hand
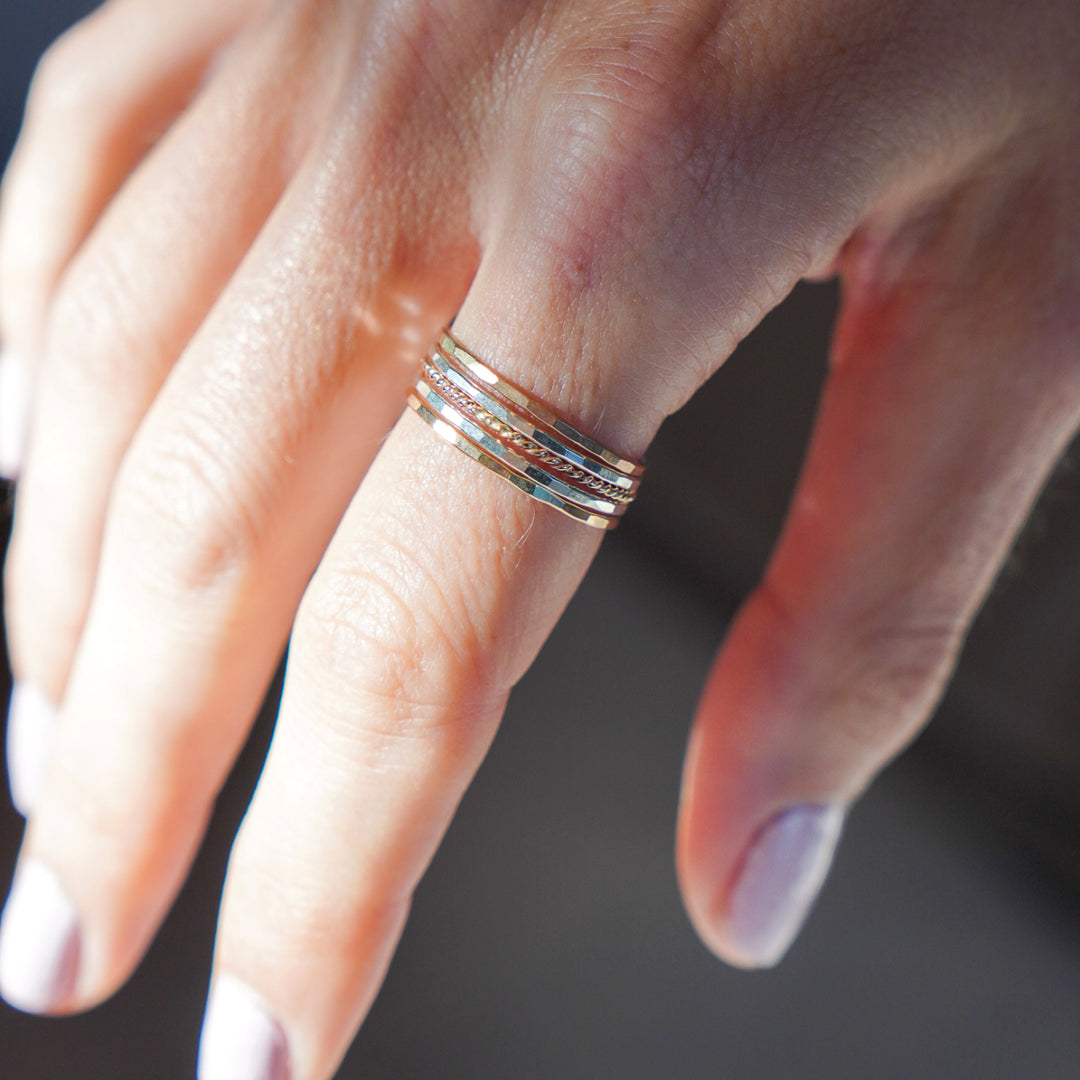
column 219, row 331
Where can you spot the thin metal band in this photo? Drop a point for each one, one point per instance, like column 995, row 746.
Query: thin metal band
column 585, row 482
column 530, row 431
column 479, row 371
column 477, row 435
column 522, row 483
column 516, row 437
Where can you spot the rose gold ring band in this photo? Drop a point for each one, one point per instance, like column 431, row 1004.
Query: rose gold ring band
column 518, row 438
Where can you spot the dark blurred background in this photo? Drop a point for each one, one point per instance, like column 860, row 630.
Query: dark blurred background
column 548, row 940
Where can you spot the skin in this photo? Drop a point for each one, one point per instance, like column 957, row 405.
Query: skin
column 225, row 292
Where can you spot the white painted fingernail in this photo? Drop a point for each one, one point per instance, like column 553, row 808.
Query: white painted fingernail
column 39, row 942
column 15, row 389
column 240, row 1039
column 781, row 875
column 31, row 719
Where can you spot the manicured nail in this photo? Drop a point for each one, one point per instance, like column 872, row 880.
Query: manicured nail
column 781, row 875
column 31, row 719
column 240, row 1039
column 39, row 942
column 14, row 413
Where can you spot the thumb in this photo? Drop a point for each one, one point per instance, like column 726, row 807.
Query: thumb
column 954, row 387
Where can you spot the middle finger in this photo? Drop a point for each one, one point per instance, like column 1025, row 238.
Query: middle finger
column 128, row 304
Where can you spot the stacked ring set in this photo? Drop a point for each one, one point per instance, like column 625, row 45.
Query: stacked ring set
column 500, row 426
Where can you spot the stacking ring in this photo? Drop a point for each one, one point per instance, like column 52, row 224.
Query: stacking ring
column 520, row 439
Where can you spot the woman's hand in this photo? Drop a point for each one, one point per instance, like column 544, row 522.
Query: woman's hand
column 229, row 233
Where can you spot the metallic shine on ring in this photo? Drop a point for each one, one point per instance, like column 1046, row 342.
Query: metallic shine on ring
column 502, row 428
column 482, row 375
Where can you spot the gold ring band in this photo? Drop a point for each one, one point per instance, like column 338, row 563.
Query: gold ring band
column 518, row 438
column 494, row 427
column 451, row 435
column 521, row 465
column 482, row 374
column 532, row 429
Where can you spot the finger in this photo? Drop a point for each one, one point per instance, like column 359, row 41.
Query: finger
column 130, row 301
column 225, row 501
column 431, row 602
column 101, row 96
column 952, row 393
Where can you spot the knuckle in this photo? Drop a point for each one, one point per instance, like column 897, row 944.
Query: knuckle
column 68, row 79
column 81, row 797
column 362, row 624
column 596, row 140
column 895, row 667
column 181, row 516
column 25, row 270
column 389, row 651
column 873, row 678
column 29, row 258
column 24, row 283
column 95, row 316
column 43, row 617
column 410, row 104
column 626, row 122
column 89, row 800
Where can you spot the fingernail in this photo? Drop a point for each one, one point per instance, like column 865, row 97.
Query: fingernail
column 240, row 1039
column 31, row 719
column 781, row 875
column 14, row 413
column 39, row 942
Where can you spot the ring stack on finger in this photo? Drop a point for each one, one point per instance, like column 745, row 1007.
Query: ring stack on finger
column 519, row 439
